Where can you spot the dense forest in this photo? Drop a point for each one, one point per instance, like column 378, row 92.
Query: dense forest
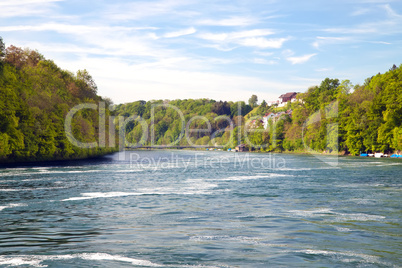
column 334, row 117
column 35, row 97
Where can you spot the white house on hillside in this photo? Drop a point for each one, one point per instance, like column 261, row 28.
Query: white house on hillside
column 284, row 98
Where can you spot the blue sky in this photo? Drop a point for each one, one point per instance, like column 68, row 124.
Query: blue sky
column 222, row 50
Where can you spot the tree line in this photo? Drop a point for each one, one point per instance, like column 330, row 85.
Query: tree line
column 333, row 117
column 35, row 97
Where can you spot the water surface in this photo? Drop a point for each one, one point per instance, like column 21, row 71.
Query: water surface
column 203, row 209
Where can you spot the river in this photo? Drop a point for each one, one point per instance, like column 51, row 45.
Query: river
column 203, row 209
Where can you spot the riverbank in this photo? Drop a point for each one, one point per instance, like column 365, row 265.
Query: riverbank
column 55, row 162
column 340, row 154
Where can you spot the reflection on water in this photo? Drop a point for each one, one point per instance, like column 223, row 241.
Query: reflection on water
column 202, row 209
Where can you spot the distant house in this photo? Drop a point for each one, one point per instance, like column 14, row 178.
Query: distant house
column 288, row 96
column 284, row 98
column 275, row 117
column 241, row 148
column 256, row 123
column 265, row 119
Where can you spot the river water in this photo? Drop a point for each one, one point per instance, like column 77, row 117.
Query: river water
column 203, row 209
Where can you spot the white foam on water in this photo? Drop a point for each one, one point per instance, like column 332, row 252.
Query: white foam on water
column 28, row 180
column 12, row 205
column 9, row 190
column 369, row 164
column 10, row 174
column 31, row 189
column 385, row 185
column 255, row 177
column 274, row 174
column 42, row 171
column 310, row 213
column 189, row 189
column 294, row 169
column 69, row 171
column 338, row 217
column 358, row 217
column 363, row 201
column 128, row 170
column 224, row 238
column 241, row 239
column 19, row 261
column 194, row 187
column 16, row 168
column 108, row 257
column 255, row 215
column 101, row 195
column 21, row 171
column 358, row 256
column 37, row 260
column 342, row 229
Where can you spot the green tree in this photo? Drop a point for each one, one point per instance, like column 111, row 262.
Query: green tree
column 86, row 84
column 2, row 49
column 252, row 101
column 35, row 97
column 2, row 54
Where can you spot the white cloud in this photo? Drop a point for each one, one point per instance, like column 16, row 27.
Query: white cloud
column 25, row 2
column 391, row 12
column 232, row 21
column 232, row 36
column 369, row 28
column 251, row 38
column 131, row 63
column 103, row 40
column 214, row 36
column 251, row 33
column 75, row 29
column 179, row 33
column 360, row 11
column 25, row 8
column 381, row 42
column 261, row 42
column 301, row 59
column 124, row 82
column 146, row 9
column 287, row 53
column 139, row 50
column 264, row 54
column 321, row 40
column 264, row 61
column 392, row 24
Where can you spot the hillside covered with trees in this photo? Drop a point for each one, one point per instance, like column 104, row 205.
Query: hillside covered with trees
column 334, row 117
column 35, row 98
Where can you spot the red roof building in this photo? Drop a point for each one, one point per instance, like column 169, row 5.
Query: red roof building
column 288, row 97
